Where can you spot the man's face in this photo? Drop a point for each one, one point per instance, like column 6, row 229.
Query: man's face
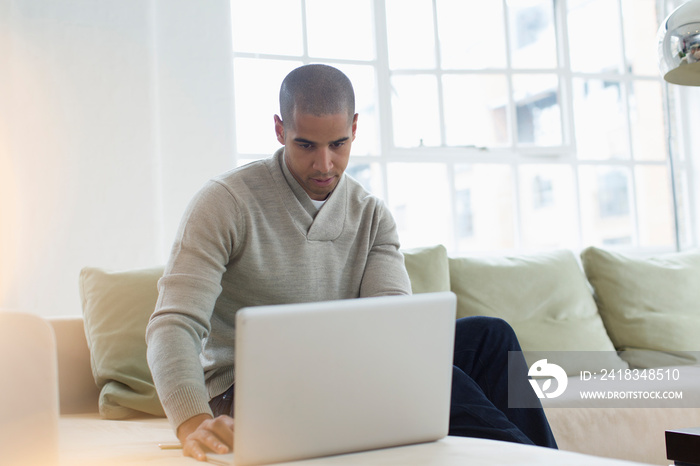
column 317, row 149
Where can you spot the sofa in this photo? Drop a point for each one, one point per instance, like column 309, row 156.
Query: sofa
column 600, row 311
column 55, row 359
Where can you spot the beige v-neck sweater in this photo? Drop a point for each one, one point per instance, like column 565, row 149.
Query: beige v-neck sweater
column 252, row 237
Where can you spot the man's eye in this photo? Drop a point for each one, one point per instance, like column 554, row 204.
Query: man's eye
column 305, row 146
column 337, row 144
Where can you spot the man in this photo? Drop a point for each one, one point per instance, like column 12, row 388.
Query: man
column 294, row 228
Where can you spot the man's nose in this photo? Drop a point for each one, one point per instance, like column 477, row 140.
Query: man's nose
column 323, row 162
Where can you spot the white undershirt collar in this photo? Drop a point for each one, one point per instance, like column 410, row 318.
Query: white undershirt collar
column 318, row 204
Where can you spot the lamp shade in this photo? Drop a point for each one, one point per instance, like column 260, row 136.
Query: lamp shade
column 679, row 45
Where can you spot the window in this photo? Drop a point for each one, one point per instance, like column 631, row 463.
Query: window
column 613, row 194
column 486, row 126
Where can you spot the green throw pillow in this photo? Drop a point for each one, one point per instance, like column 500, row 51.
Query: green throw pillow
column 116, row 309
column 428, row 269
column 650, row 304
column 545, row 298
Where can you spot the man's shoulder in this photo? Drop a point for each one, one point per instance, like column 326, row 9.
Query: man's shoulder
column 357, row 193
column 240, row 184
column 245, row 173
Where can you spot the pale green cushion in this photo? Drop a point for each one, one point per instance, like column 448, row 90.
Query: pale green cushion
column 116, row 309
column 648, row 303
column 545, row 298
column 428, row 269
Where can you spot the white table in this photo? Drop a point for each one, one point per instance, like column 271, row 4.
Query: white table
column 89, row 440
column 453, row 451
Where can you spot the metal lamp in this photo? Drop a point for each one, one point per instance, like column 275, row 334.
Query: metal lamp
column 679, row 45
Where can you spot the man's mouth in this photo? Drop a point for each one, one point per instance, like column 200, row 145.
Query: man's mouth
column 323, row 182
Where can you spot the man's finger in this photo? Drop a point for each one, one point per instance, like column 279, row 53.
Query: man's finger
column 222, row 427
column 192, row 448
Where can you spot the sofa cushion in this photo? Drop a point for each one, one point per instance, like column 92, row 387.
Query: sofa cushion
column 116, row 309
column 428, row 269
column 545, row 298
column 648, row 304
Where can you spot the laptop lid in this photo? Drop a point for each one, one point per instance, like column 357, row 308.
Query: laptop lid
column 326, row 378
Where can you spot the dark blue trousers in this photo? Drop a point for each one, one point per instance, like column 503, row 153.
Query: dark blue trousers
column 480, row 386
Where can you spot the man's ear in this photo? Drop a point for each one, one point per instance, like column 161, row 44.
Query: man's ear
column 354, row 126
column 279, row 129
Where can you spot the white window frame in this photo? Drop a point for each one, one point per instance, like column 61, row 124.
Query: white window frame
column 515, row 155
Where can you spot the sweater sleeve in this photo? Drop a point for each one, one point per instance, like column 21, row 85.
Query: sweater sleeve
column 188, row 292
column 385, row 272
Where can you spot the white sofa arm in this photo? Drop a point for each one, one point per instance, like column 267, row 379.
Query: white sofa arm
column 76, row 385
column 29, row 401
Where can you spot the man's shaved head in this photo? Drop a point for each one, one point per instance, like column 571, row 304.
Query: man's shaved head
column 316, row 90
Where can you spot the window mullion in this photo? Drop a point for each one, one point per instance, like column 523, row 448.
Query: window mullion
column 671, row 164
column 626, row 81
column 304, row 34
column 383, row 76
column 511, row 114
column 438, row 76
column 513, row 125
column 567, row 101
column 565, row 77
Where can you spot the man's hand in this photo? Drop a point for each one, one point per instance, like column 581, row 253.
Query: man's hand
column 201, row 433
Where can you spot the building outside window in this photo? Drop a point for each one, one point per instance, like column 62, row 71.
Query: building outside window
column 507, row 125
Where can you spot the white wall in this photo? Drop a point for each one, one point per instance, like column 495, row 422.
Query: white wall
column 112, row 114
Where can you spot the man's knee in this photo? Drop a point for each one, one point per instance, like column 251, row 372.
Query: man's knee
column 493, row 328
column 484, row 324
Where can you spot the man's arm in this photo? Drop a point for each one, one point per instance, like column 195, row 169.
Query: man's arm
column 385, row 272
column 187, row 294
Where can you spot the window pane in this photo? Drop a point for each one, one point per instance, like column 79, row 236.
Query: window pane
column 366, row 93
column 349, row 35
column 537, row 109
column 599, row 119
column 654, row 206
column 410, row 34
column 257, row 86
column 415, row 111
column 685, row 217
column 484, row 207
column 676, row 119
column 640, row 23
column 533, row 35
column 647, row 120
column 256, row 30
column 606, row 206
column 547, row 207
column 594, row 35
column 420, row 203
column 475, row 110
column 472, row 35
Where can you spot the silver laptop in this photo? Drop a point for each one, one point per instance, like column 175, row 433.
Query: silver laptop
column 335, row 377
